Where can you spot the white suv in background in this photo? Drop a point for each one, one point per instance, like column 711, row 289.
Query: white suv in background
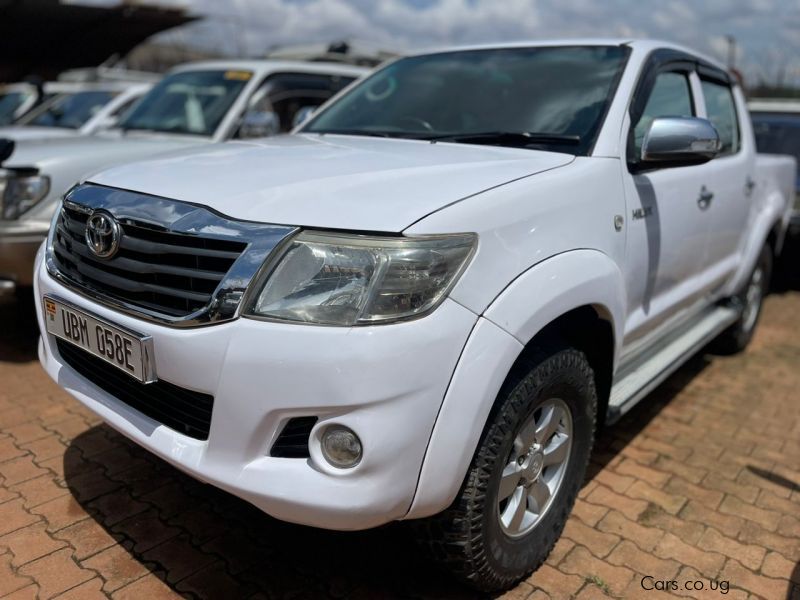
column 76, row 109
column 423, row 304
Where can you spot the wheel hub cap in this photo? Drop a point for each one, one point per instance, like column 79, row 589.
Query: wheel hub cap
column 534, row 470
column 535, row 466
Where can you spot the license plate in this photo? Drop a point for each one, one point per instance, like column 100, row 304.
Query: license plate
column 128, row 351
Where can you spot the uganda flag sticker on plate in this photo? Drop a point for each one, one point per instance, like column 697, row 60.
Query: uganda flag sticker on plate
column 50, row 308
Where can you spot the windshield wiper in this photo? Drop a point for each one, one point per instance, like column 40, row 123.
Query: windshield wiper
column 366, row 132
column 508, row 138
column 127, row 128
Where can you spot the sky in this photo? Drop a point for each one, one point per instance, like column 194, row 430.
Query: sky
column 767, row 31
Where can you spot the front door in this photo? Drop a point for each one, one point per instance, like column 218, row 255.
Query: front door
column 667, row 223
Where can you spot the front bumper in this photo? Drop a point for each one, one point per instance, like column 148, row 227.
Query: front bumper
column 18, row 247
column 385, row 382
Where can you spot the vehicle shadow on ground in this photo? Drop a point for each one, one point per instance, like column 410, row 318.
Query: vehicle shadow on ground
column 19, row 333
column 172, row 525
column 203, row 541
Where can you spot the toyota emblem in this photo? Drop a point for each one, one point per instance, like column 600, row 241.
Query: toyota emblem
column 102, row 235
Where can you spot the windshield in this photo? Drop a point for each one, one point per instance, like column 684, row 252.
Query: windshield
column 9, row 103
column 69, row 111
column 552, row 97
column 190, row 102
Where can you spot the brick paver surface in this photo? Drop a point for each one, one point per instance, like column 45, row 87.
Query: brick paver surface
column 699, row 484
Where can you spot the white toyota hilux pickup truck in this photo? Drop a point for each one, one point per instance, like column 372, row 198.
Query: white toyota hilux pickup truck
column 423, row 303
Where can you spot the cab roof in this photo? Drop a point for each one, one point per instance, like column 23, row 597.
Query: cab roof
column 642, row 46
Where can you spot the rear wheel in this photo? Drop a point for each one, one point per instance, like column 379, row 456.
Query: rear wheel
column 524, row 477
column 749, row 300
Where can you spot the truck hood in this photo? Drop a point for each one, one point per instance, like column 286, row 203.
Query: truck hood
column 332, row 181
column 94, row 151
column 33, row 132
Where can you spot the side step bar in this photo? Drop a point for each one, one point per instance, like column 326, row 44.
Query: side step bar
column 646, row 373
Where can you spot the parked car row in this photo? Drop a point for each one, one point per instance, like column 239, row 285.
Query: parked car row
column 195, row 104
column 423, row 302
column 75, row 109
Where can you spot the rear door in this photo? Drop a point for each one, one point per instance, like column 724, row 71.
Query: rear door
column 730, row 179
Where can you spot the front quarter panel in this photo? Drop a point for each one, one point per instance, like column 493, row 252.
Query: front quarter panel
column 524, row 222
column 543, row 293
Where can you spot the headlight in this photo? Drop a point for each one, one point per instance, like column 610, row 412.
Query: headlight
column 21, row 192
column 339, row 279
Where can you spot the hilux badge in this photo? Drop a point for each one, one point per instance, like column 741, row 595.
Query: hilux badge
column 102, row 235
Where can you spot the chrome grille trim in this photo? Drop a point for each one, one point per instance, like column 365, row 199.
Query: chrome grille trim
column 179, row 264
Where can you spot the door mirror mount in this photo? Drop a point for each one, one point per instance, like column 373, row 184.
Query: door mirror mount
column 302, row 115
column 678, row 142
column 258, row 124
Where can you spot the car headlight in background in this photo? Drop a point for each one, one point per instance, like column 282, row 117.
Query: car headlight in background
column 18, row 193
column 340, row 279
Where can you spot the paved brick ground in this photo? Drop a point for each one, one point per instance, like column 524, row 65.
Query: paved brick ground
column 700, row 484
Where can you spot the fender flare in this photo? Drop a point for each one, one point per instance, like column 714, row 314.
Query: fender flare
column 766, row 220
column 541, row 294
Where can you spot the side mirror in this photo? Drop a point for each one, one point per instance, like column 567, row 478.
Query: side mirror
column 302, row 115
column 258, row 124
column 679, row 142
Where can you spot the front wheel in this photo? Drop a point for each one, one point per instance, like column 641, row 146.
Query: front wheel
column 749, row 301
column 524, row 477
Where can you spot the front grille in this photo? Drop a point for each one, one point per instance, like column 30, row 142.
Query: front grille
column 170, row 273
column 183, row 410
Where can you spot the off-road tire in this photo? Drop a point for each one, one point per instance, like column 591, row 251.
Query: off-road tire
column 467, row 537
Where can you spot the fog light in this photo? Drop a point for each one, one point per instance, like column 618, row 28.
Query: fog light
column 341, row 447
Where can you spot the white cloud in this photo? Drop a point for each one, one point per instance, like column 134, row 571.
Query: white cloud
column 763, row 28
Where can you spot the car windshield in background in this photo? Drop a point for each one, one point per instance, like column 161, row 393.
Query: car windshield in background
column 190, row 102
column 9, row 103
column 70, row 111
column 777, row 133
column 552, row 97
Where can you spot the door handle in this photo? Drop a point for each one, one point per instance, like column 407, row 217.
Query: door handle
column 705, row 198
column 749, row 184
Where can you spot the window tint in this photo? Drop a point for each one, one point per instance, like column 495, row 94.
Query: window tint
column 777, row 133
column 284, row 94
column 721, row 112
column 69, row 111
column 190, row 102
column 671, row 97
column 9, row 103
column 123, row 108
column 558, row 91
